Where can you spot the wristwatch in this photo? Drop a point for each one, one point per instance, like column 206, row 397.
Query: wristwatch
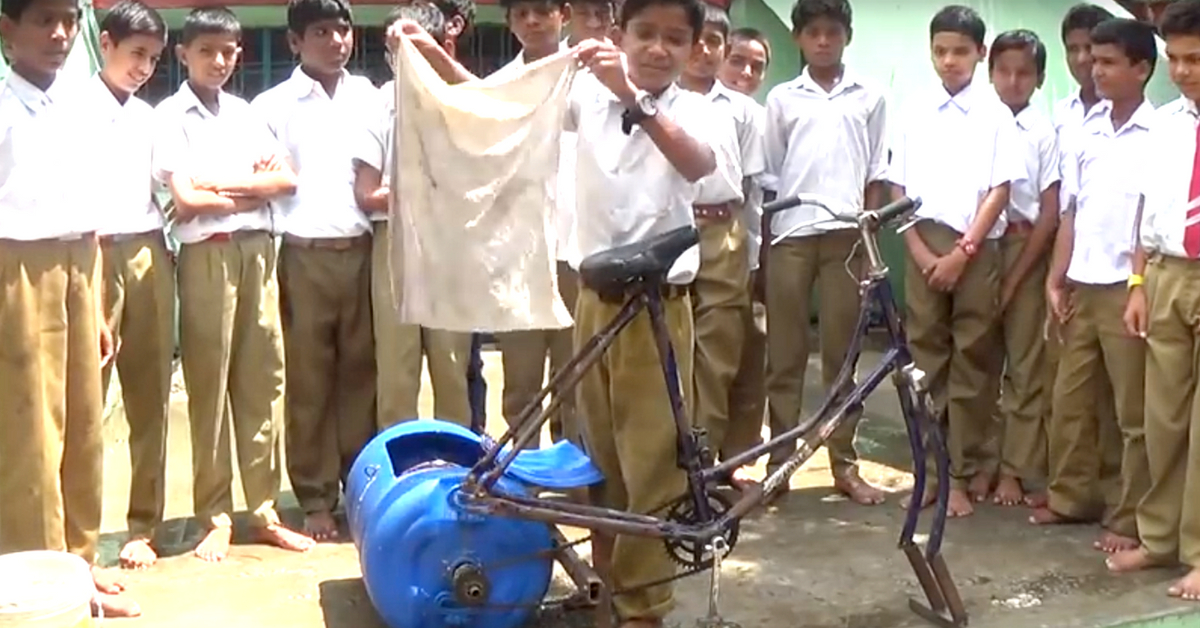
column 643, row 109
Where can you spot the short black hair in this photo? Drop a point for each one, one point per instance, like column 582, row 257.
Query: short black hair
column 133, row 17
column 600, row 3
column 14, row 9
column 693, row 8
column 718, row 18
column 1020, row 39
column 509, row 4
column 1182, row 18
column 747, row 33
column 457, row 8
column 959, row 19
column 1083, row 17
column 1134, row 38
column 804, row 12
column 304, row 13
column 427, row 16
column 210, row 21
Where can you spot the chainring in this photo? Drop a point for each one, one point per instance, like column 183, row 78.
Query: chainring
column 693, row 555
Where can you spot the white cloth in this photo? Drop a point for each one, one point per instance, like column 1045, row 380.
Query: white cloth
column 473, row 204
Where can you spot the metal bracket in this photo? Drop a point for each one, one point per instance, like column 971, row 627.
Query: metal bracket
column 718, row 548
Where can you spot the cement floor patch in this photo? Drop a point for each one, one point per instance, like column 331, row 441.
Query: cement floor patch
column 815, row 561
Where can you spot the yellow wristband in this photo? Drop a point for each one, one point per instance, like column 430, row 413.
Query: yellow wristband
column 1135, row 281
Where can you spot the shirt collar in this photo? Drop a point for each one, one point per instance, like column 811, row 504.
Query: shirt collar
column 718, row 92
column 192, row 101
column 1026, row 117
column 303, row 86
column 103, row 97
column 961, row 101
column 520, row 58
column 30, row 95
column 807, row 82
column 1142, row 117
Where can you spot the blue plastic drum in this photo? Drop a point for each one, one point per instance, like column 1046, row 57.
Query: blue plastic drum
column 426, row 562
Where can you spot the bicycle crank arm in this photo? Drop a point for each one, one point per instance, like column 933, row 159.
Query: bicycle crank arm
column 945, row 608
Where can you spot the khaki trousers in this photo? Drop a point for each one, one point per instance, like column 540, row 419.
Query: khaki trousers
column 400, row 349
column 325, row 292
column 629, row 434
column 1096, row 348
column 139, row 303
column 1168, row 518
column 1024, row 396
column 748, row 396
column 719, row 298
column 952, row 338
column 51, row 406
column 795, row 266
column 524, row 355
column 231, row 350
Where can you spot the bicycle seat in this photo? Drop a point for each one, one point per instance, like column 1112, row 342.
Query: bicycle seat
column 647, row 260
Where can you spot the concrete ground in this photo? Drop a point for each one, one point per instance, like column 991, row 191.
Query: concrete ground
column 815, row 560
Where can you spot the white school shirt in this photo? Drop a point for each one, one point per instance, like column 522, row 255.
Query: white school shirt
column 753, row 207
column 830, row 143
column 374, row 141
column 1043, row 165
column 739, row 150
column 1167, row 177
column 313, row 128
column 1103, row 174
column 953, row 150
column 39, row 195
column 626, row 190
column 120, row 149
column 192, row 141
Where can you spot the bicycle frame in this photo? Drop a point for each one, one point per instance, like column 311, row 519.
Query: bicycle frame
column 810, row 434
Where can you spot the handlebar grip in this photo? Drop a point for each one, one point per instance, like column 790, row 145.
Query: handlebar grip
column 782, row 204
column 897, row 208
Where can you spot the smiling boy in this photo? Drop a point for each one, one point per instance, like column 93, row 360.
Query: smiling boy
column 139, row 282
column 222, row 168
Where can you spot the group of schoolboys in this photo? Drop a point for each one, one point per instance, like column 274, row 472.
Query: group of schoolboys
column 1052, row 270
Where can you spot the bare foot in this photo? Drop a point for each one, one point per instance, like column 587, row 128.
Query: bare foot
column 1009, row 492
column 929, row 498
column 321, row 526
column 1188, row 588
column 857, row 489
column 743, row 474
column 284, row 538
column 215, row 545
column 1045, row 517
column 138, row 554
column 980, row 487
column 1129, row 560
column 110, row 606
column 960, row 504
column 1037, row 499
column 1111, row 542
column 106, row 582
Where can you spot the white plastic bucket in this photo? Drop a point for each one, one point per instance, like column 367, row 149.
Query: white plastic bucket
column 45, row 590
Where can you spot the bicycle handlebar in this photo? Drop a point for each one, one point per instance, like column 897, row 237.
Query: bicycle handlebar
column 885, row 214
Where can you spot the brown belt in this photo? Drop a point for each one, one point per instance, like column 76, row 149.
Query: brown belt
column 118, row 238
column 336, row 244
column 233, row 236
column 668, row 291
column 1018, row 228
column 718, row 211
